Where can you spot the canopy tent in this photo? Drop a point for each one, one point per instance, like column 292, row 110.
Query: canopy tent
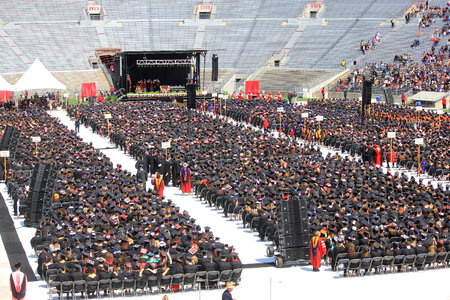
column 429, row 99
column 5, row 85
column 38, row 77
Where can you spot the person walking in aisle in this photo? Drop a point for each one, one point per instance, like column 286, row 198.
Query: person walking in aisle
column 227, row 293
column 18, row 283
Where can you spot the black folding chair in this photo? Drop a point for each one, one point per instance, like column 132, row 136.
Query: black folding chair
column 376, row 264
column 429, row 260
column 189, row 280
column 236, row 276
column 177, row 279
column 152, row 282
column 440, row 258
column 341, row 265
column 225, row 276
column 116, row 285
column 105, row 286
column 92, row 288
column 129, row 284
column 366, row 264
column 212, row 278
column 420, row 261
column 200, row 278
column 66, row 288
column 398, row 262
column 409, row 262
column 53, row 285
column 353, row 267
column 165, row 283
column 388, row 262
column 141, row 284
column 79, row 286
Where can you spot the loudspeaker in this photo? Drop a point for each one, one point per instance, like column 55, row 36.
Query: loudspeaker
column 293, row 205
column 294, row 228
column 36, row 195
column 191, row 96
column 291, row 241
column 6, row 139
column 290, row 254
column 367, row 92
column 215, row 68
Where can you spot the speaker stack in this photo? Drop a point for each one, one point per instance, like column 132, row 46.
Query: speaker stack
column 6, row 139
column 36, row 194
column 215, row 68
column 191, row 96
column 293, row 229
column 367, row 92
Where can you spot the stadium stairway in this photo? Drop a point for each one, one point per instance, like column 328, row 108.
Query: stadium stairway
column 281, row 79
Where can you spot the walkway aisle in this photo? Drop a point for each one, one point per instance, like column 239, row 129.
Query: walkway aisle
column 250, row 249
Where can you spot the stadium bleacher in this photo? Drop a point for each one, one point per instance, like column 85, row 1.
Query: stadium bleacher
column 243, row 34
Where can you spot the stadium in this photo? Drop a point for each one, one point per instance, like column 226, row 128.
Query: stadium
column 176, row 148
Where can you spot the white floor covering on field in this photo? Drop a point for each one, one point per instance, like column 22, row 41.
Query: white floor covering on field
column 265, row 283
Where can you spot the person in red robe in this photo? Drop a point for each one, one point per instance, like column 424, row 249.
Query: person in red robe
column 279, row 96
column 317, row 248
column 259, row 96
column 129, row 82
column 158, row 184
column 18, row 283
column 234, row 96
column 269, row 97
column 185, row 179
column 240, row 96
column 393, row 159
column 266, row 123
column 249, row 96
column 377, row 155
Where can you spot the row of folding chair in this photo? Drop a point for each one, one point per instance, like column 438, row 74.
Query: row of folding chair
column 435, row 172
column 109, row 287
column 398, row 263
column 211, row 198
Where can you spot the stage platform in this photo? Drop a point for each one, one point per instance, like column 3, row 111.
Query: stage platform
column 179, row 97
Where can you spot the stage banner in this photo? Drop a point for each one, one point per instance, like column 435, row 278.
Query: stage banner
column 5, row 96
column 88, row 89
column 252, row 86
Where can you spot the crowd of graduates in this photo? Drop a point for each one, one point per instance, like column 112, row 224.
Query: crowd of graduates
column 103, row 223
column 106, row 224
column 247, row 171
column 342, row 127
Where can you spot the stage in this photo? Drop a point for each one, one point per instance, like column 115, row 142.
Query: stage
column 156, row 75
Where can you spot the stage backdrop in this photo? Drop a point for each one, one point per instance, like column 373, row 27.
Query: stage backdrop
column 5, row 96
column 252, row 86
column 88, row 89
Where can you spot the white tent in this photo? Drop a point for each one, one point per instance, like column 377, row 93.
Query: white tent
column 5, row 85
column 38, row 77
